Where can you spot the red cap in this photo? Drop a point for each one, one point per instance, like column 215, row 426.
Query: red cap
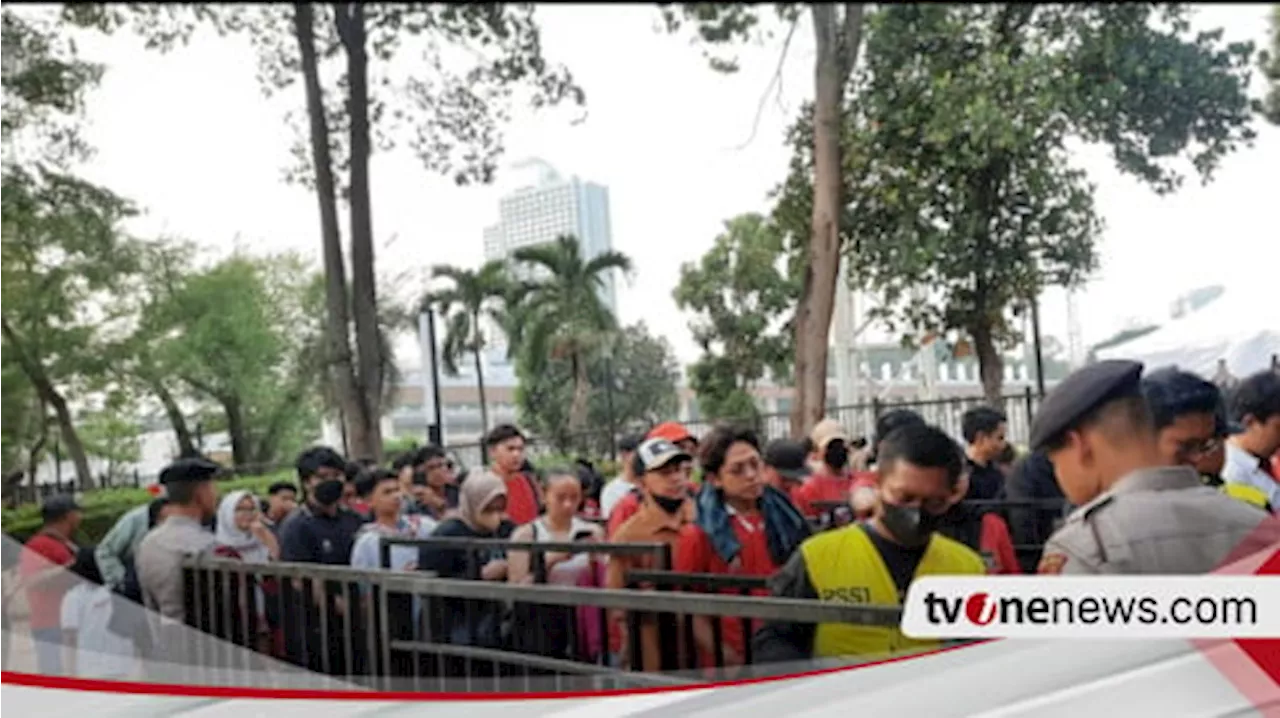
column 672, row 431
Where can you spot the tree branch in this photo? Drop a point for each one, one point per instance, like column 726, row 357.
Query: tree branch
column 774, row 81
column 852, row 38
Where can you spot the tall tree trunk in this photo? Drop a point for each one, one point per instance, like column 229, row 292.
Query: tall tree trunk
column 484, row 403
column 990, row 363
column 50, row 396
column 338, row 321
column 70, row 437
column 186, row 440
column 239, row 432
column 351, row 30
column 837, row 46
column 33, row 454
column 581, row 386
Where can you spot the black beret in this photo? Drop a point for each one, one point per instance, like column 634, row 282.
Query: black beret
column 187, row 470
column 1079, row 394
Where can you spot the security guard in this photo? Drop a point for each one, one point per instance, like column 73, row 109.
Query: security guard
column 873, row 563
column 1135, row 515
column 193, row 499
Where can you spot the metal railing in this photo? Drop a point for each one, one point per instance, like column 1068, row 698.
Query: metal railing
column 379, row 634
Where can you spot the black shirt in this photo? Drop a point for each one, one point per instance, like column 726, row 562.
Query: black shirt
column 309, row 536
column 986, row 481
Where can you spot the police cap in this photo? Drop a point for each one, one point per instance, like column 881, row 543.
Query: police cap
column 188, row 470
column 1080, row 394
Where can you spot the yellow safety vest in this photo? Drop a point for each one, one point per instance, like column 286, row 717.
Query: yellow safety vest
column 1247, row 494
column 845, row 566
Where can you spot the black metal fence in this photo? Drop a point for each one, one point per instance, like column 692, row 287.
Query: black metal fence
column 375, row 628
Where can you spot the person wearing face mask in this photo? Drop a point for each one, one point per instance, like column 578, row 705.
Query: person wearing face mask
column 832, row 480
column 663, row 512
column 1136, row 514
column 321, row 530
column 874, row 562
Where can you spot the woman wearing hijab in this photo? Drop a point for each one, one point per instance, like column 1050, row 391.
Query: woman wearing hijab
column 482, row 506
column 241, row 533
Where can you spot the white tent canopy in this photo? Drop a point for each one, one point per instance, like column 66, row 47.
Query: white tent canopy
column 1241, row 329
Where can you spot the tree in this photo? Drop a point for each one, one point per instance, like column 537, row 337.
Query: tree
column 742, row 298
column 453, row 121
column 643, row 371
column 475, row 295
column 964, row 202
column 1269, row 62
column 109, row 436
column 562, row 314
column 838, row 34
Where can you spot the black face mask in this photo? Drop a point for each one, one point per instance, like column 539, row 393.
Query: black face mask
column 836, row 456
column 328, row 493
column 909, row 526
column 669, row 505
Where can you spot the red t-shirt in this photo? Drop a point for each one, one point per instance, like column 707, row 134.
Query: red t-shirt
column 821, row 487
column 996, row 540
column 45, row 601
column 522, row 500
column 626, row 507
column 695, row 554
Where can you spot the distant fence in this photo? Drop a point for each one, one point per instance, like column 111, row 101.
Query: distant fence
column 858, row 419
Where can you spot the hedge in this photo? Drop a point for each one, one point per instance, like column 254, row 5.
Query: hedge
column 103, row 507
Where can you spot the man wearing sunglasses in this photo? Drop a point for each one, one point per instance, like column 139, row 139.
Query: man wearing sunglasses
column 1191, row 426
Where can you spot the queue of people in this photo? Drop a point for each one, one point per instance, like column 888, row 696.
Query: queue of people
column 1165, row 473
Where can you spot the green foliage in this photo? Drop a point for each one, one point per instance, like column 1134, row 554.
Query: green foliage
column 644, row 372
column 473, row 62
column 475, row 295
column 559, row 315
column 964, row 203
column 110, row 436
column 742, row 299
column 102, row 508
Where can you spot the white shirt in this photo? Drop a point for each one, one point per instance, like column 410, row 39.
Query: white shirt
column 365, row 553
column 1246, row 469
column 86, row 609
column 614, row 491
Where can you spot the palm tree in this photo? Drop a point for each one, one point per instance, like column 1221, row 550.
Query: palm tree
column 474, row 294
column 561, row 315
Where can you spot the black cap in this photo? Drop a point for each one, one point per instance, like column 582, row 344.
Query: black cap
column 630, row 442
column 1079, row 394
column 788, row 458
column 187, row 470
column 55, row 507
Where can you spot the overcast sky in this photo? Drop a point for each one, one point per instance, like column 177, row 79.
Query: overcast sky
column 191, row 138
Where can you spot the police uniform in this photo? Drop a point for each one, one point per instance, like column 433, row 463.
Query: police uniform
column 1157, row 520
column 160, row 555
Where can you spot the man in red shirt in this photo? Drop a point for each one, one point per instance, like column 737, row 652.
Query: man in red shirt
column 42, row 570
column 831, row 480
column 505, row 447
column 786, row 465
column 744, row 527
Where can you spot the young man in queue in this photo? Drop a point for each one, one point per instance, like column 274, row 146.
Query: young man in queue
column 744, row 527
column 505, row 446
column 973, row 522
column 873, row 562
column 1255, row 407
column 675, row 433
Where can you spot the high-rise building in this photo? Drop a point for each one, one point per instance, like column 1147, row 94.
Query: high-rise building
column 552, row 207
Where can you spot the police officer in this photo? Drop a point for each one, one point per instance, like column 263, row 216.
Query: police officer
column 193, row 500
column 1135, row 515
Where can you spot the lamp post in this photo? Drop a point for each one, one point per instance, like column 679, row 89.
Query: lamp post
column 1035, row 335
column 430, row 374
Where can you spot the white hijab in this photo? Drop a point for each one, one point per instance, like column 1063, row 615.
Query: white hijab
column 251, row 550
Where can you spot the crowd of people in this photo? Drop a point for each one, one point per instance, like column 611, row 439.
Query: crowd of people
column 1165, row 475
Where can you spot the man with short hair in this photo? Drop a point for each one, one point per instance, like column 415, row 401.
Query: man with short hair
column 626, row 481
column 1255, row 406
column 193, row 499
column 505, row 446
column 1135, row 515
column 984, row 434
column 434, row 485
column 321, row 530
column 43, row 572
column 282, row 499
column 874, row 562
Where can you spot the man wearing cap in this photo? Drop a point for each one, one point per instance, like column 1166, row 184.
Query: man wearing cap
column 675, row 433
column 42, row 571
column 193, row 500
column 665, row 509
column 786, row 465
column 832, row 481
column 1135, row 515
column 627, row 480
